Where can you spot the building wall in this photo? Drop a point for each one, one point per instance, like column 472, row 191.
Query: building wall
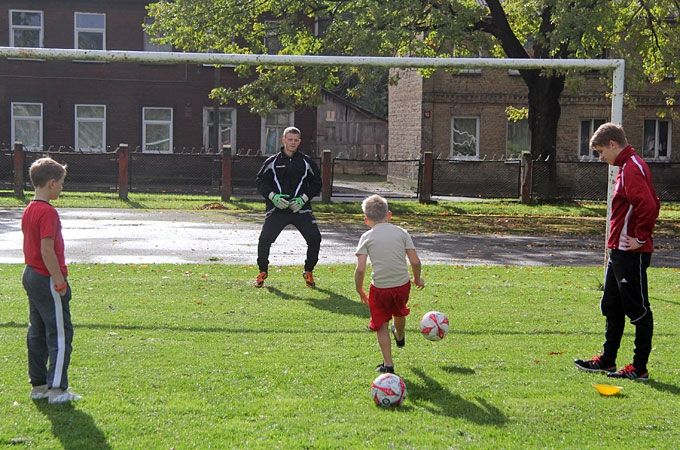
column 487, row 94
column 123, row 87
column 406, row 130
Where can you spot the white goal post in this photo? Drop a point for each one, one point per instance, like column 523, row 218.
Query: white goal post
column 616, row 65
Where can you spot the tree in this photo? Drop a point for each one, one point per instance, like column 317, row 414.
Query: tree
column 644, row 32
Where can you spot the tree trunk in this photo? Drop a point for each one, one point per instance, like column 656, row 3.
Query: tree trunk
column 544, row 116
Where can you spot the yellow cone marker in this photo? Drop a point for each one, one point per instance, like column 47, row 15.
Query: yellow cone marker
column 607, row 389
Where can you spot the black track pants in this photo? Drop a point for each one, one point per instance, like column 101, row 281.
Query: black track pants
column 275, row 223
column 625, row 295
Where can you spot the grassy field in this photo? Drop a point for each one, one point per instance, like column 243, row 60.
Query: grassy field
column 192, row 356
column 489, row 216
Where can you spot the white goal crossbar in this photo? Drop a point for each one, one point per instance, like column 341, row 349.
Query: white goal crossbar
column 123, row 56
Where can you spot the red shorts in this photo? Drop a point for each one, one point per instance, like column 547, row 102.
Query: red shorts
column 384, row 303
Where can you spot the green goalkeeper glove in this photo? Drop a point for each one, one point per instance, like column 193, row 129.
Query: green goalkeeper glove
column 279, row 200
column 298, row 202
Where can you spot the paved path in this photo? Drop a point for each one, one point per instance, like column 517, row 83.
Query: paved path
column 140, row 236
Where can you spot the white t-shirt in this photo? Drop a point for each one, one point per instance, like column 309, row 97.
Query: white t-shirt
column 386, row 245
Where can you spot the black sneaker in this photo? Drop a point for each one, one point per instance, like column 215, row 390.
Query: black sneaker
column 400, row 342
column 382, row 368
column 594, row 364
column 631, row 373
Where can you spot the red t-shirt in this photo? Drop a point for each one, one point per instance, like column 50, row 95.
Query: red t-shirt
column 41, row 221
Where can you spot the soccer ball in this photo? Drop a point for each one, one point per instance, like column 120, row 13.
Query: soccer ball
column 388, row 390
column 434, row 325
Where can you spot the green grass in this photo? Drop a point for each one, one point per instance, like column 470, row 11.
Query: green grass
column 489, row 216
column 192, row 356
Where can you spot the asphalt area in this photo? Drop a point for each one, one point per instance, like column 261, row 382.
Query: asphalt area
column 142, row 236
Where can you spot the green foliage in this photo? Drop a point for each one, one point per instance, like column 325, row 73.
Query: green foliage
column 192, row 356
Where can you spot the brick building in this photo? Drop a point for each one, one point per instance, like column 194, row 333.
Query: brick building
column 463, row 117
column 93, row 106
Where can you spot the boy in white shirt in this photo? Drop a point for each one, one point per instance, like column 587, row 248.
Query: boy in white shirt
column 387, row 246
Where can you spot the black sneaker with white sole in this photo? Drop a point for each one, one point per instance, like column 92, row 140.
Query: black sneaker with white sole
column 595, row 364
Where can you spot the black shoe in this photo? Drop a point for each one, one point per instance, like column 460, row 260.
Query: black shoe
column 382, row 368
column 594, row 364
column 400, row 342
column 631, row 373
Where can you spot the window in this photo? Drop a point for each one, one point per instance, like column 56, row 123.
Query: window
column 90, row 128
column 518, row 139
column 157, row 130
column 657, row 139
column 588, row 127
column 151, row 46
column 227, row 127
column 25, row 28
column 90, row 31
column 271, row 36
column 272, row 130
column 330, row 115
column 464, row 138
column 27, row 125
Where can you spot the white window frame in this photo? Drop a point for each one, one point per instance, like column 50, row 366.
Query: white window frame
column 26, row 27
column 465, row 157
column 206, row 129
column 157, row 122
column 77, row 30
column 27, row 118
column 149, row 46
column 592, row 128
column 79, row 120
column 263, row 128
column 656, row 156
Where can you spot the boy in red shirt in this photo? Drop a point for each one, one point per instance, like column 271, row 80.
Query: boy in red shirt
column 634, row 209
column 50, row 331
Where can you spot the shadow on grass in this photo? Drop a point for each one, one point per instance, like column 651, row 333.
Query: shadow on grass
column 74, row 428
column 459, row 370
column 434, row 397
column 335, row 303
column 664, row 387
column 133, row 204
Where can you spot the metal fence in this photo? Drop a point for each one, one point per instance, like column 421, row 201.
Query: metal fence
column 192, row 173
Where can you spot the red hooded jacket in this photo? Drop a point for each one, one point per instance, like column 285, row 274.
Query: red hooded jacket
column 635, row 205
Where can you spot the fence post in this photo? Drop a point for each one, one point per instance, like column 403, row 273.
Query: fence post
column 18, row 158
column 227, row 181
column 428, row 170
column 326, row 181
column 525, row 172
column 123, row 170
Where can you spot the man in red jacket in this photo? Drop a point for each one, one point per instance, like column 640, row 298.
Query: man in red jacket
column 634, row 209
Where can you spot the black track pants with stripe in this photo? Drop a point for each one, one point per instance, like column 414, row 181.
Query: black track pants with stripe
column 626, row 295
column 50, row 331
column 275, row 223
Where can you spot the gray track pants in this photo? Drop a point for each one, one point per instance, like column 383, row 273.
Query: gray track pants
column 50, row 331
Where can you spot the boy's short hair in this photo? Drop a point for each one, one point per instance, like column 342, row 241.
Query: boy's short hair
column 608, row 132
column 45, row 169
column 375, row 208
column 291, row 130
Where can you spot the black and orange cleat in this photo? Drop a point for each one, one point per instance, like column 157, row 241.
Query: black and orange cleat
column 259, row 281
column 309, row 279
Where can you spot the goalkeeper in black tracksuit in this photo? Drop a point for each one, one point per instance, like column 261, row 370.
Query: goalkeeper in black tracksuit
column 288, row 181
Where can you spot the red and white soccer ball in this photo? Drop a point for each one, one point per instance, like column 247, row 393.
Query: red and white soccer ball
column 434, row 325
column 388, row 390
